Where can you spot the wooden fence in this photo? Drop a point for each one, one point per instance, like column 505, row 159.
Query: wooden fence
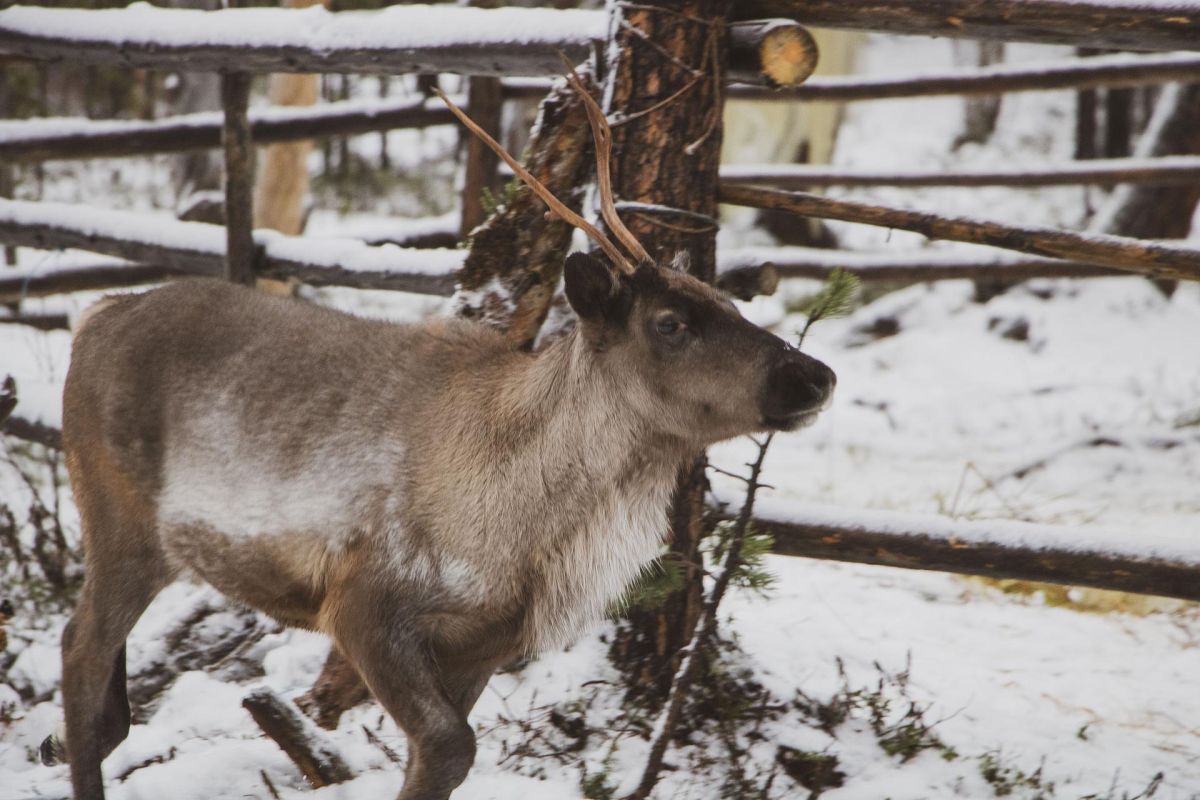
column 144, row 250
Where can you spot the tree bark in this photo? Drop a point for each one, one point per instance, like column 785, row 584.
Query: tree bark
column 670, row 57
column 516, row 256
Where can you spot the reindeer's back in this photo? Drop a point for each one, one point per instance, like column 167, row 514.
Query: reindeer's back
column 246, row 410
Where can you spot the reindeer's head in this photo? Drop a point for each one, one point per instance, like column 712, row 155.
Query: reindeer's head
column 687, row 358
column 694, row 364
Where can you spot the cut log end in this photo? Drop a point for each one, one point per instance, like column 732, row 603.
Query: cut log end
column 789, row 56
column 777, row 52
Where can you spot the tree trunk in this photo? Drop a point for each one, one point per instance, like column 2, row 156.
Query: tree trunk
column 979, row 112
column 1159, row 212
column 665, row 179
column 516, row 256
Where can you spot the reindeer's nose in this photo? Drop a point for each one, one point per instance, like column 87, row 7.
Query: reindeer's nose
column 796, row 387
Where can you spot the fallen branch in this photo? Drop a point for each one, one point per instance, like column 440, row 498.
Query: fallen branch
column 1109, row 24
column 1170, row 170
column 1132, row 255
column 32, row 431
column 303, row 742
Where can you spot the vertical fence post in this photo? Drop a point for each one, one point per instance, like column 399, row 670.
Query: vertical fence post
column 239, row 178
column 484, row 103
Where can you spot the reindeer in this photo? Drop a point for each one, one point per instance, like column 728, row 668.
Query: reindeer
column 435, row 501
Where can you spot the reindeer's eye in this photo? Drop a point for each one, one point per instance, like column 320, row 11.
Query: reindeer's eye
column 668, row 324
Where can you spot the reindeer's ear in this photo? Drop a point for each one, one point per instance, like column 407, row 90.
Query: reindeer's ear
column 596, row 294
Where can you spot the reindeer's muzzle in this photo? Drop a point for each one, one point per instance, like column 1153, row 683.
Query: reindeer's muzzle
column 798, row 387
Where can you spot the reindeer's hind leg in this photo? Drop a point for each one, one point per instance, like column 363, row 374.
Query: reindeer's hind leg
column 379, row 639
column 124, row 570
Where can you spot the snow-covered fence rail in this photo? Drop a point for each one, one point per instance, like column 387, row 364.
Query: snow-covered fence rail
column 200, row 249
column 1129, row 561
column 1106, row 24
column 395, row 40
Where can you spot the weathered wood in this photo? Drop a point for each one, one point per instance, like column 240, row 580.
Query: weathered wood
column 1112, row 24
column 58, row 35
column 199, row 252
column 913, row 548
column 484, row 104
column 1132, row 255
column 303, row 742
column 238, row 178
column 777, row 52
column 516, row 257
column 913, row 267
column 42, row 322
column 1169, row 170
column 89, row 139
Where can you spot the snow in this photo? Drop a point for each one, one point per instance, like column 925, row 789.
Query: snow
column 410, row 27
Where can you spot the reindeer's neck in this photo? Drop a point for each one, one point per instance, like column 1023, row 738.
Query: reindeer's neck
column 592, row 479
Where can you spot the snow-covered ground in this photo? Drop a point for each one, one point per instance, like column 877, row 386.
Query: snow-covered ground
column 949, row 415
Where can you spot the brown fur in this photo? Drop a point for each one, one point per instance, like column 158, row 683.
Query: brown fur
column 435, row 501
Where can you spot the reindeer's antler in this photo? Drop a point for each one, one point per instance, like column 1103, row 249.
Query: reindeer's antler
column 557, row 206
column 602, row 133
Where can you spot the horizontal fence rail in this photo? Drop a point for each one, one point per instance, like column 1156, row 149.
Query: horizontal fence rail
column 400, row 39
column 1170, row 170
column 199, row 248
column 905, row 267
column 1127, row 561
column 1122, row 252
column 1111, row 24
column 44, row 139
